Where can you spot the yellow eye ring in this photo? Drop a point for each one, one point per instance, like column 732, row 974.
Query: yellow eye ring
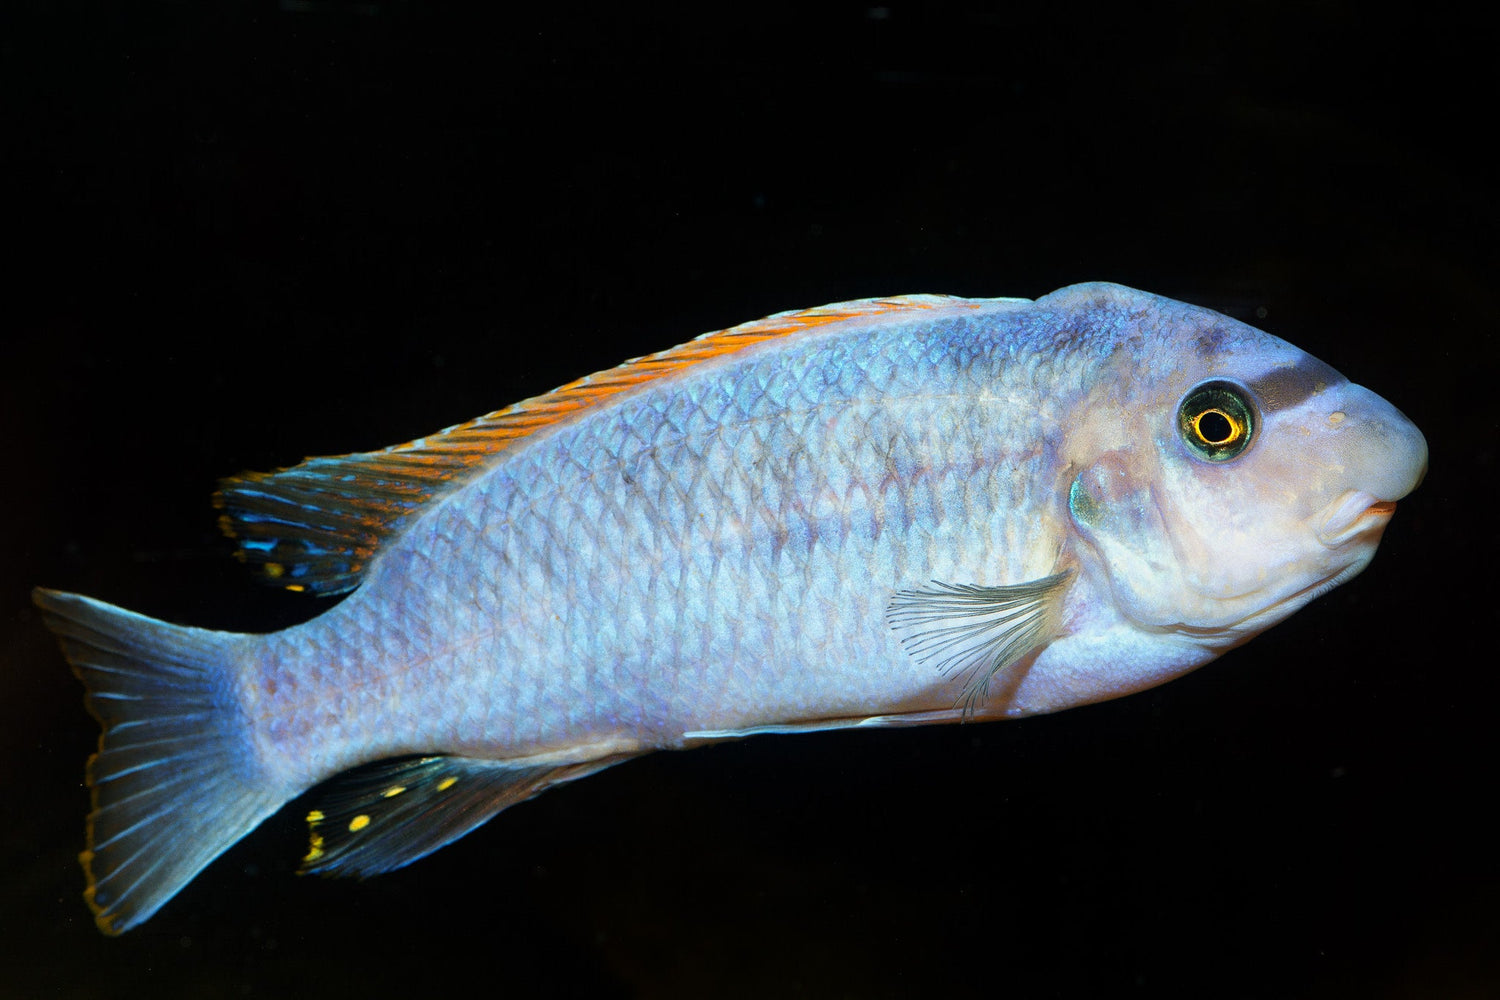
column 1216, row 421
column 1217, row 429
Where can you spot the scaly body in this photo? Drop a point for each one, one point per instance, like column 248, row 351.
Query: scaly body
column 710, row 557
column 885, row 512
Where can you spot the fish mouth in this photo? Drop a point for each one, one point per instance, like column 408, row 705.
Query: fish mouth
column 1353, row 514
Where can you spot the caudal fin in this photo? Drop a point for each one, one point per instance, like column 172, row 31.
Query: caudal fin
column 173, row 783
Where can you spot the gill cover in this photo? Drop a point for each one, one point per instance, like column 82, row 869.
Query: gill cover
column 1114, row 508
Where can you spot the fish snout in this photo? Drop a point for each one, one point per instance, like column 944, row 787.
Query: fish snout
column 1383, row 458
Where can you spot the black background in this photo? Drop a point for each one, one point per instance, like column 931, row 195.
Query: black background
column 241, row 233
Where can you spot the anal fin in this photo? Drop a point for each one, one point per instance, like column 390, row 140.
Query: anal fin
column 388, row 814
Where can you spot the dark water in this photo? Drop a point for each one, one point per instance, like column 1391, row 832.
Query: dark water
column 245, row 233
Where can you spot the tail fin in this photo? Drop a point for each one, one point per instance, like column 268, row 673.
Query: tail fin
column 173, row 783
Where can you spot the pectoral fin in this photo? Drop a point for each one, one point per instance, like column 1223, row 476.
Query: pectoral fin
column 976, row 632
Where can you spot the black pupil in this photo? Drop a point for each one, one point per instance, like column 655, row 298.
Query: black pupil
column 1215, row 427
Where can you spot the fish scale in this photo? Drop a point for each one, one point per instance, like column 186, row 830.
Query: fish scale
column 885, row 512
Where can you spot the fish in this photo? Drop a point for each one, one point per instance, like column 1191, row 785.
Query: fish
column 886, row 512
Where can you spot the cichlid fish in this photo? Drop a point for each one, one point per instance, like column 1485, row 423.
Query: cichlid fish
column 883, row 512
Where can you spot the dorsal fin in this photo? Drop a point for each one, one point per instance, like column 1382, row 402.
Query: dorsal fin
column 315, row 526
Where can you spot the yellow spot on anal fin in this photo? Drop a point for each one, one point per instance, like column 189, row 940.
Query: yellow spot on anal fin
column 296, row 587
column 274, row 570
column 358, row 823
column 314, row 849
column 315, row 817
column 446, row 784
column 393, row 791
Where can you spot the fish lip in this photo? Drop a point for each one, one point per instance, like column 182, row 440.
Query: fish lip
column 1353, row 514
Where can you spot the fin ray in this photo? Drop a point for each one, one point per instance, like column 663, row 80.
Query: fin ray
column 974, row 631
column 175, row 790
column 386, row 815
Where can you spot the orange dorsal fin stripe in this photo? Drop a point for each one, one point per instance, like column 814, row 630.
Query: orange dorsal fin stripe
column 495, row 431
column 315, row 526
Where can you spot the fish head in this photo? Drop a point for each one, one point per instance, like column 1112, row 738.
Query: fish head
column 1242, row 478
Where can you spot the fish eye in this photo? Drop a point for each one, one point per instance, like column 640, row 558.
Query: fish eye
column 1216, row 421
